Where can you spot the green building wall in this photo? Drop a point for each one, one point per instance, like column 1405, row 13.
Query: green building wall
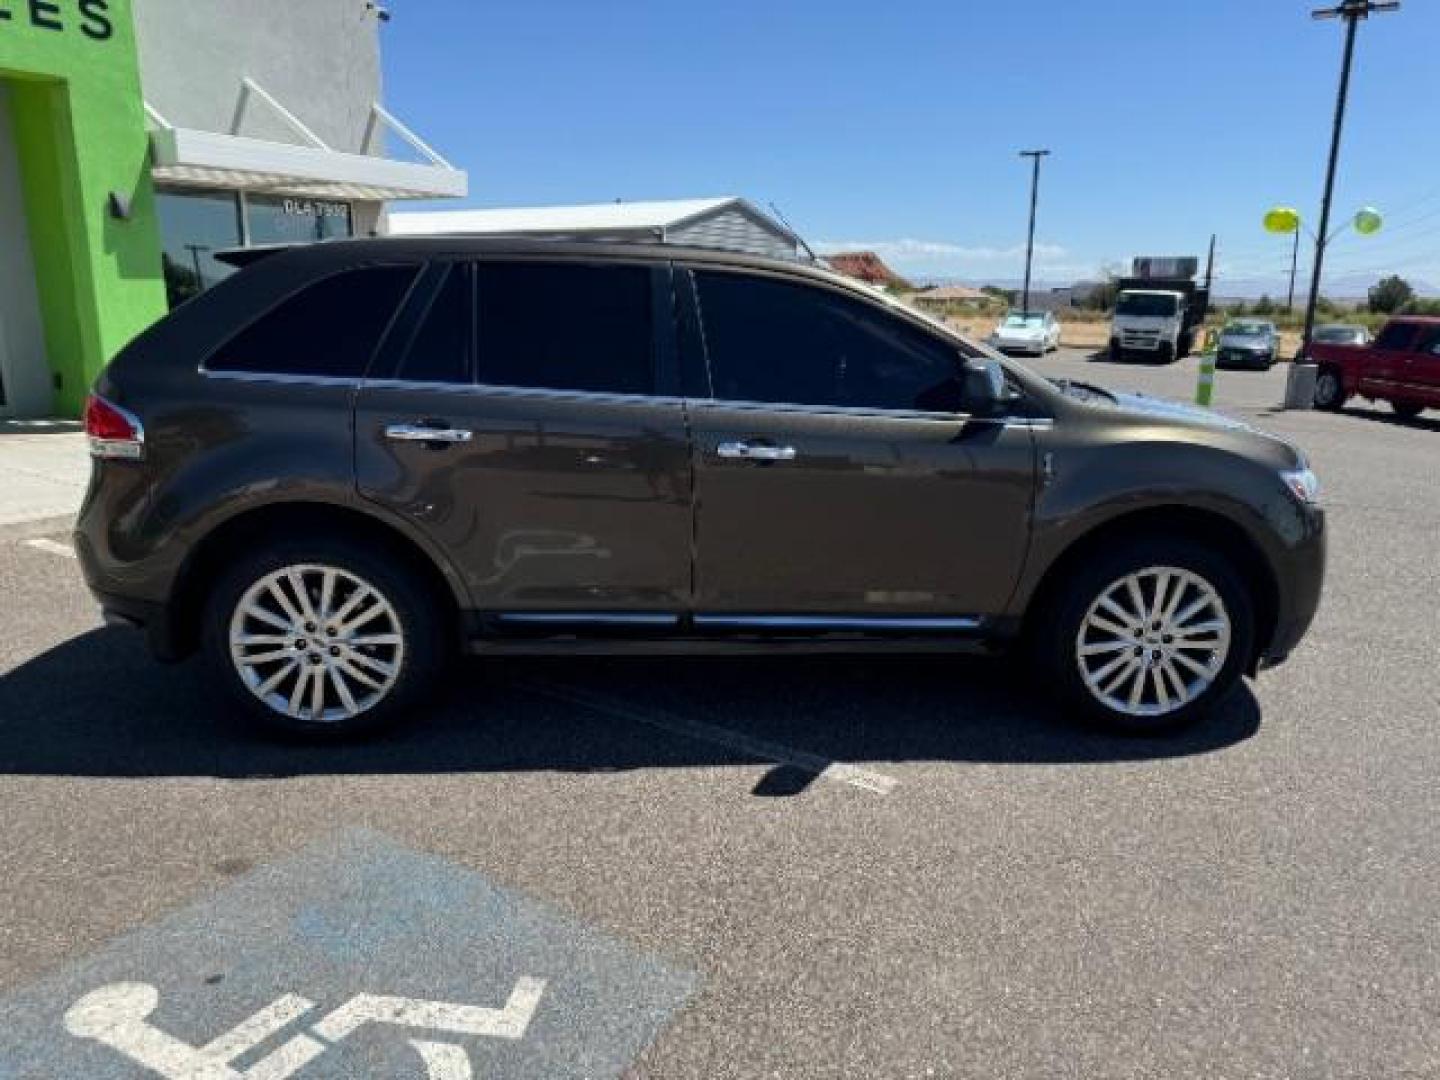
column 79, row 121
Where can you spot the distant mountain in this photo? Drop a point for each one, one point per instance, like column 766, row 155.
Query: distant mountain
column 1343, row 287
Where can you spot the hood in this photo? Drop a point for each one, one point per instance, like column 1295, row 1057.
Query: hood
column 1019, row 331
column 1258, row 443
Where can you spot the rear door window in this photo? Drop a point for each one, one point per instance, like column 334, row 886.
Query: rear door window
column 1396, row 337
column 443, row 346
column 329, row 329
column 565, row 326
column 777, row 341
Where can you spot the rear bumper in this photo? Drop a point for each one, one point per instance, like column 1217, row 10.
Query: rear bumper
column 151, row 619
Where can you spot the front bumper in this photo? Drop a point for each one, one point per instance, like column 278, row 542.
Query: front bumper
column 1251, row 359
column 1022, row 348
column 1300, row 579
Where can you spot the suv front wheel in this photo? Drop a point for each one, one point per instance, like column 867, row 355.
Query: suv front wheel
column 1146, row 637
column 323, row 638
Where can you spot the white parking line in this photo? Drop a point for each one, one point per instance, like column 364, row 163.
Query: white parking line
column 54, row 547
column 837, row 771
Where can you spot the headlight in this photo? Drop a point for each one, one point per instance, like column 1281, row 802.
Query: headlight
column 1304, row 485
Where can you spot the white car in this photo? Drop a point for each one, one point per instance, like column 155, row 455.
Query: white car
column 1032, row 332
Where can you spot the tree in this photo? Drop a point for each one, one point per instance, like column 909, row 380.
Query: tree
column 1264, row 306
column 1391, row 294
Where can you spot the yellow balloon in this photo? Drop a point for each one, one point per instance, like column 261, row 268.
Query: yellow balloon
column 1368, row 221
column 1282, row 219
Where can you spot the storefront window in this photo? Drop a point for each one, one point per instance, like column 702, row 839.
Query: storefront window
column 193, row 226
column 285, row 219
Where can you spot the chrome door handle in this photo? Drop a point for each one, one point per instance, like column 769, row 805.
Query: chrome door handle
column 420, row 433
column 755, row 451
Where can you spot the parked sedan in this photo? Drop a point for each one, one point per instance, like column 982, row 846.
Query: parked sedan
column 1248, row 343
column 1032, row 332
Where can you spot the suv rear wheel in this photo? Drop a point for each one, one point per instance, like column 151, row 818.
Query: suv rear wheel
column 1146, row 637
column 1407, row 410
column 1329, row 390
column 323, row 638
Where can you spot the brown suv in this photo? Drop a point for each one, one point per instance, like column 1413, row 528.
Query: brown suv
column 353, row 460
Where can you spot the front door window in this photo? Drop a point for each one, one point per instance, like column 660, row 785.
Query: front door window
column 773, row 341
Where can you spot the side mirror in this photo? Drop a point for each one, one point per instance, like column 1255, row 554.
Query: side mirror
column 986, row 393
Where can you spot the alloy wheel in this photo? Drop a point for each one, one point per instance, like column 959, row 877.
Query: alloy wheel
column 1153, row 642
column 317, row 643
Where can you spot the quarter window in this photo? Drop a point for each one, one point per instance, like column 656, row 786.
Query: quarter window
column 773, row 341
column 441, row 348
column 560, row 326
column 328, row 329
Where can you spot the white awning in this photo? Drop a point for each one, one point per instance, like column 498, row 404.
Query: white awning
column 235, row 162
column 241, row 163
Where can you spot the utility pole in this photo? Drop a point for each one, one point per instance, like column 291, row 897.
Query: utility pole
column 1035, row 155
column 1352, row 11
column 1210, row 265
column 1294, row 265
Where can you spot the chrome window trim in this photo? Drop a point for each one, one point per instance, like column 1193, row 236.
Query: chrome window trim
column 489, row 390
column 285, row 379
column 606, row 397
column 833, row 410
column 841, row 623
column 867, row 411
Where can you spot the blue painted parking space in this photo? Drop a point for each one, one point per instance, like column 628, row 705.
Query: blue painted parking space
column 356, row 957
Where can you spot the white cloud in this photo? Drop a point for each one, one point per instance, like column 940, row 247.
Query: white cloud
column 908, row 248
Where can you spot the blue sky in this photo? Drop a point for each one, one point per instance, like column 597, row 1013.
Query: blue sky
column 896, row 126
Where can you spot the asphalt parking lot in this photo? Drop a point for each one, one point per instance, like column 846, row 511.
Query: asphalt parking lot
column 746, row 868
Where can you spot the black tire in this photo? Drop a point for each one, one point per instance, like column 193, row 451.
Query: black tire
column 1166, row 353
column 421, row 656
column 1116, row 352
column 1407, row 410
column 1058, row 625
column 1329, row 390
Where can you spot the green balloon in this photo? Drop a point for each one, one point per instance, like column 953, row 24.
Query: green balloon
column 1282, row 219
column 1368, row 221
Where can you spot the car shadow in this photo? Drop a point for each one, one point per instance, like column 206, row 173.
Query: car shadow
column 97, row 705
column 1378, row 416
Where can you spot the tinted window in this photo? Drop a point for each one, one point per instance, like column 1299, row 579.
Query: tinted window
column 1396, row 336
column 330, row 328
column 558, row 326
column 440, row 350
column 773, row 341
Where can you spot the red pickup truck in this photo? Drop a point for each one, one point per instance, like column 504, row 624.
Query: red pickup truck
column 1401, row 366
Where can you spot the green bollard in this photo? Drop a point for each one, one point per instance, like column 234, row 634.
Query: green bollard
column 1205, row 388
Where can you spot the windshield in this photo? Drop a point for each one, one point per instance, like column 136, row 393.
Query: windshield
column 1248, row 329
column 1024, row 320
column 1147, row 305
column 1341, row 335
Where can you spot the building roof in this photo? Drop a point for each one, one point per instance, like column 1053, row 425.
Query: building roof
column 864, row 266
column 653, row 217
column 945, row 293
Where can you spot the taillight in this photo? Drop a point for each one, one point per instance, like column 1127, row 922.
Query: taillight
column 114, row 433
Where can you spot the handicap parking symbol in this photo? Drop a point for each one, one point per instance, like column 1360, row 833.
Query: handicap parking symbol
column 355, row 958
column 118, row 1015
